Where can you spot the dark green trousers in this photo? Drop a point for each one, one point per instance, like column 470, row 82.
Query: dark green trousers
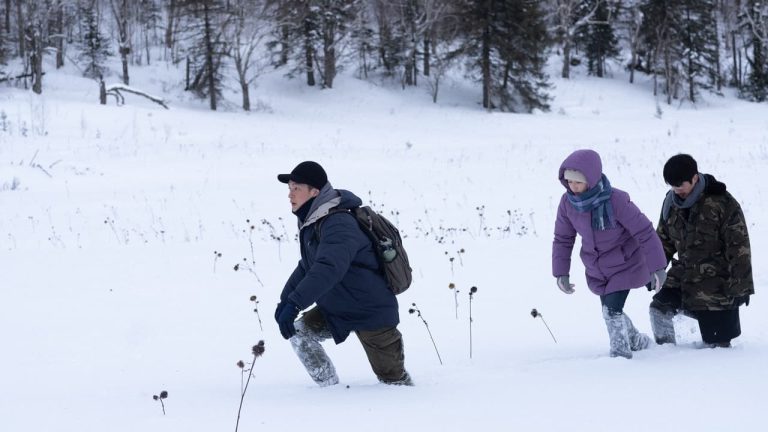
column 384, row 347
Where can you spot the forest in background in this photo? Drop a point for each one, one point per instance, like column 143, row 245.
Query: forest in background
column 686, row 47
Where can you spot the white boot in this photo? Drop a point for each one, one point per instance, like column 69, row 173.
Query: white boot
column 306, row 344
column 618, row 333
column 662, row 326
column 637, row 341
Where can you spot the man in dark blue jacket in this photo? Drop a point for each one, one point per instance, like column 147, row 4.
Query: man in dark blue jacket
column 338, row 272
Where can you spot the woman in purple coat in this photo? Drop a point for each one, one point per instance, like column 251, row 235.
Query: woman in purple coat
column 619, row 247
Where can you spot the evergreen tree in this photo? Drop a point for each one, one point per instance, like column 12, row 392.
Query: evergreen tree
column 597, row 37
column 504, row 43
column 3, row 49
column 698, row 47
column 311, row 35
column 94, row 46
column 754, row 23
column 207, row 48
column 681, row 37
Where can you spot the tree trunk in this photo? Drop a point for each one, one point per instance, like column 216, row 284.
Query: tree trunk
column 8, row 17
column 284, row 51
column 426, row 57
column 171, row 22
column 246, row 95
column 146, row 46
column 736, row 80
column 330, row 66
column 37, row 62
column 309, row 53
column 209, row 56
column 102, row 92
column 20, row 25
column 566, row 73
column 124, row 59
column 485, row 58
column 60, row 36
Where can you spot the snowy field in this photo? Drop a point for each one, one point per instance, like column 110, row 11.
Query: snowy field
column 113, row 219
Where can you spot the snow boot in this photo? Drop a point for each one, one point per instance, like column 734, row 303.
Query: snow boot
column 637, row 341
column 618, row 333
column 404, row 381
column 306, row 344
column 662, row 325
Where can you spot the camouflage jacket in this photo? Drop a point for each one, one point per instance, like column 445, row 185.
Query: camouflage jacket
column 714, row 264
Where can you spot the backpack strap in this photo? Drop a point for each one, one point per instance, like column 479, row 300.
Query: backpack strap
column 319, row 223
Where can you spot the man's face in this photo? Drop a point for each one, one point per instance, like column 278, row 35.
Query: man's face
column 685, row 188
column 299, row 193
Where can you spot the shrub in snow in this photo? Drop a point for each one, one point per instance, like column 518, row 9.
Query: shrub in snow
column 163, row 395
column 535, row 314
column 416, row 310
column 256, row 310
column 257, row 351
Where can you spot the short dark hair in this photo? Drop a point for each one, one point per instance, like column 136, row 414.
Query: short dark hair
column 679, row 169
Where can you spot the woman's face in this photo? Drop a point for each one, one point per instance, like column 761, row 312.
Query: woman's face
column 577, row 187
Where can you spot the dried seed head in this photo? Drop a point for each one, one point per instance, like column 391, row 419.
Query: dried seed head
column 253, row 298
column 155, row 397
column 534, row 313
column 451, row 286
column 473, row 289
column 237, row 267
column 240, row 364
column 258, row 349
column 163, row 394
column 410, row 311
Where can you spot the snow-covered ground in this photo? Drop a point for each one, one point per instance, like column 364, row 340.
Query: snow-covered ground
column 113, row 290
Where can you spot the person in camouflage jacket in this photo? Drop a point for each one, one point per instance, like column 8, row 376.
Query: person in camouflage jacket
column 712, row 275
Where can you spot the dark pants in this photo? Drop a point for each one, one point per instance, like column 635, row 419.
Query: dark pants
column 716, row 327
column 384, row 347
column 614, row 301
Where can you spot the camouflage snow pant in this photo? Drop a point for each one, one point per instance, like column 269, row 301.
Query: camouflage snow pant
column 383, row 347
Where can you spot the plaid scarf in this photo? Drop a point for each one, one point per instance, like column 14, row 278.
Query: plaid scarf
column 598, row 201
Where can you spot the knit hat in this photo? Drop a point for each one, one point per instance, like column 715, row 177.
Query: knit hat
column 308, row 172
column 680, row 168
column 574, row 175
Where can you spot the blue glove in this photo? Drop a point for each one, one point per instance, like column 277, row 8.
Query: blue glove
column 278, row 309
column 565, row 285
column 286, row 315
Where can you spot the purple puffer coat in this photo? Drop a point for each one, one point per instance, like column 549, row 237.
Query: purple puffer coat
column 615, row 259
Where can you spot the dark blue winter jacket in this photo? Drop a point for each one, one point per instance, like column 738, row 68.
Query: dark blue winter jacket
column 338, row 270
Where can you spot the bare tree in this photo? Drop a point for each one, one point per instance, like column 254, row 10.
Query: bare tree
column 569, row 17
column 121, row 12
column 246, row 34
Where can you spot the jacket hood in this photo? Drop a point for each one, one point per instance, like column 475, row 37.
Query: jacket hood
column 328, row 199
column 586, row 162
column 714, row 186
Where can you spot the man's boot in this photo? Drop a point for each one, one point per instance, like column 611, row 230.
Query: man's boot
column 637, row 341
column 618, row 333
column 662, row 325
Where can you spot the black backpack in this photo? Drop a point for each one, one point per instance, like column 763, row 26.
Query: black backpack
column 387, row 244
